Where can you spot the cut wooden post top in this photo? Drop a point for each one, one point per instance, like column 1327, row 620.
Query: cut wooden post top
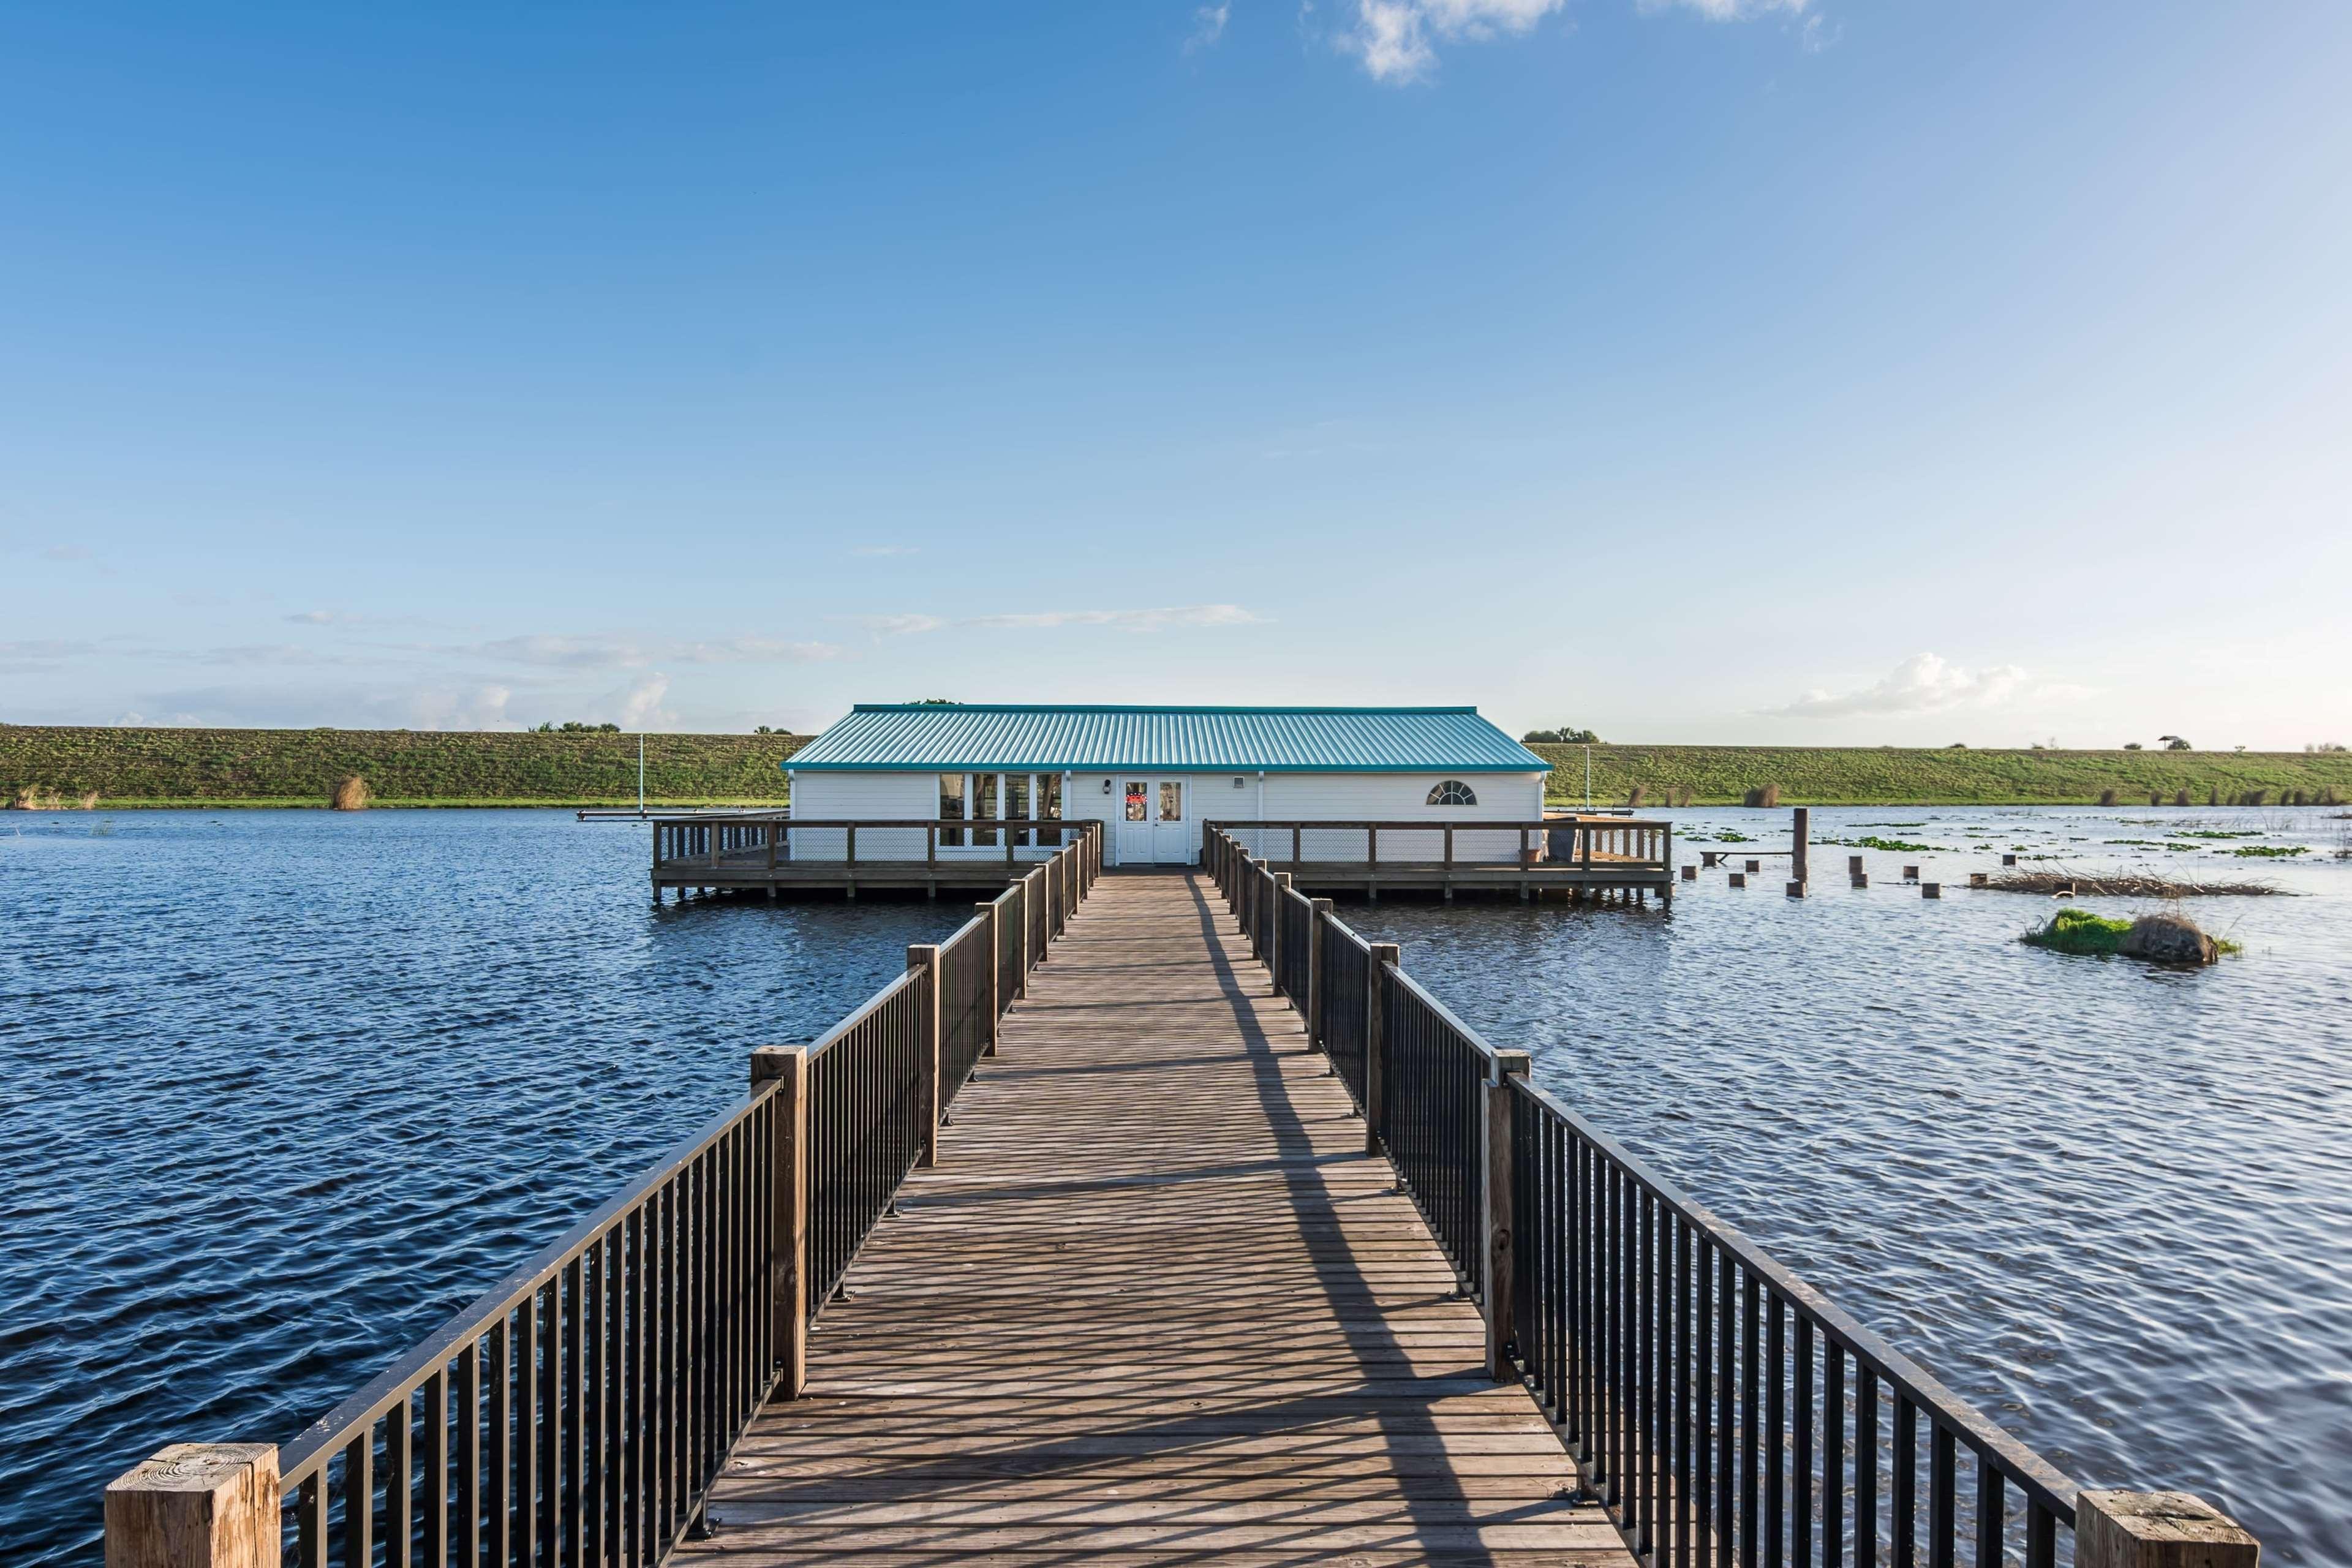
column 775, row 1061
column 2158, row 1529
column 196, row 1505
column 1511, row 1064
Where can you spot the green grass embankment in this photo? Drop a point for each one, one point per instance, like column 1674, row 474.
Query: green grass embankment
column 168, row 767
column 159, row 767
column 1890, row 775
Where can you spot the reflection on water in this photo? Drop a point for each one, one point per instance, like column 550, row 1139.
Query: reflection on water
column 287, row 1088
column 2110, row 1204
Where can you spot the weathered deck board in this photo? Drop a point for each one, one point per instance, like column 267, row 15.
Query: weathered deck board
column 1153, row 1306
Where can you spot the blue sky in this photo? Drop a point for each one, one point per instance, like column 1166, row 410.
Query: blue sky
column 1835, row 370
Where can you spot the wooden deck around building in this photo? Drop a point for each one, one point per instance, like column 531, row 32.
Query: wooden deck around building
column 1154, row 1305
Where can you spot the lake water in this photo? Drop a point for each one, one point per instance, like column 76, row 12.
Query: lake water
column 285, row 1090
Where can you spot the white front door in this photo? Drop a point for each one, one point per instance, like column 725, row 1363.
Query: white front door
column 1171, row 828
column 1154, row 827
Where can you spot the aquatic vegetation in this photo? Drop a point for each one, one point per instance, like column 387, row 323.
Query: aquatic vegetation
column 2215, row 833
column 2081, row 931
column 2120, row 885
column 2159, row 938
column 1892, row 845
column 2270, row 851
column 1733, row 836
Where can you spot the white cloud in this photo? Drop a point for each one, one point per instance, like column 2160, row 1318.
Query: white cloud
column 640, row 705
column 314, row 617
column 1152, row 620
column 1729, row 10
column 1126, row 620
column 459, row 707
column 1925, row 683
column 40, row 657
column 613, row 651
column 895, row 626
column 1397, row 39
column 1209, row 25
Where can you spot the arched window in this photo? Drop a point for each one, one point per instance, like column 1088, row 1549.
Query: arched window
column 1453, row 792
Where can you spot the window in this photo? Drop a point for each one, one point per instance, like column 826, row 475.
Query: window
column 1049, row 808
column 1139, row 800
column 1453, row 792
column 1017, row 804
column 951, row 799
column 983, row 808
column 1172, row 800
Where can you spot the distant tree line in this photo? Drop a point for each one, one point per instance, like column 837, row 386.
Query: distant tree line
column 1563, row 736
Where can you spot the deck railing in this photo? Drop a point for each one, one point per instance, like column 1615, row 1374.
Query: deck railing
column 766, row 840
column 577, row 1411
column 1726, row 1411
column 1616, row 842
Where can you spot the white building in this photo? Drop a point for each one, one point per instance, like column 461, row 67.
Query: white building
column 1154, row 775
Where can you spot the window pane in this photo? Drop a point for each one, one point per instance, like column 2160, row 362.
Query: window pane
column 1138, row 800
column 984, row 807
column 1017, row 802
column 1049, row 808
column 951, row 799
column 1172, row 802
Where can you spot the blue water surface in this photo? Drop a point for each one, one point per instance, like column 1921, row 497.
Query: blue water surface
column 283, row 1090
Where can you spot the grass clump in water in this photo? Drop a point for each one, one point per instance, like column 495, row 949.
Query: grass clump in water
column 2080, row 930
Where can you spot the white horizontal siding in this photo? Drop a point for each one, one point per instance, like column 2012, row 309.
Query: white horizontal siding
column 1389, row 797
column 895, row 794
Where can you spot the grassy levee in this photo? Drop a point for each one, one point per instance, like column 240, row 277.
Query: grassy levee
column 1891, row 775
column 159, row 767
column 166, row 767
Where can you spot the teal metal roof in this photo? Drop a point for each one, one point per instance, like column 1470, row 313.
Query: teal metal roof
column 987, row 737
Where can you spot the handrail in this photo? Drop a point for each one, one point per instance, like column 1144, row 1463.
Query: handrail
column 580, row 1409
column 1676, row 1358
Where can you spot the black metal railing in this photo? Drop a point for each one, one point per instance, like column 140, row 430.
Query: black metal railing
column 868, row 1086
column 578, row 1412
column 1010, row 923
column 1720, row 1404
column 1727, row 1415
column 1294, row 935
column 580, row 1409
column 1347, row 978
column 1431, row 1117
column 967, row 1003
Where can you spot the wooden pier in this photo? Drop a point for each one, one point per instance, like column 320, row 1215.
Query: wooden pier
column 1155, row 1303
column 1148, row 1221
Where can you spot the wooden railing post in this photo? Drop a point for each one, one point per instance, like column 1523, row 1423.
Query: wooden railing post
column 925, row 956
column 2144, row 1530
column 1384, row 955
column 788, row 1068
column 1319, row 911
column 990, row 914
column 195, row 1505
column 1500, row 1253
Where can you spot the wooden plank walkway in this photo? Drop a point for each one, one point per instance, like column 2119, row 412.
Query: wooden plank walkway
column 1153, row 1306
